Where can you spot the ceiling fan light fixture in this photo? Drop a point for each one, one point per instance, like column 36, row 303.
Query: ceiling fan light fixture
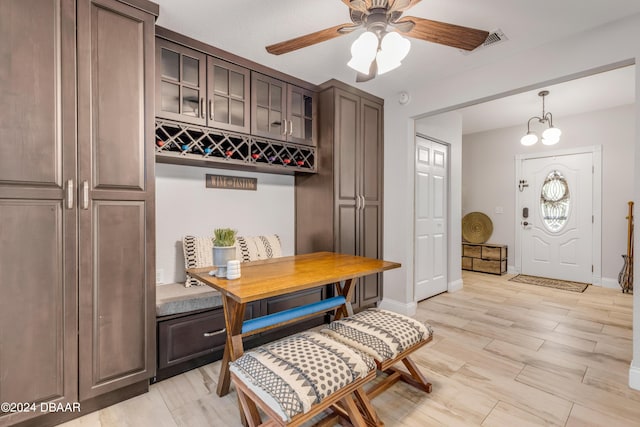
column 363, row 52
column 393, row 49
column 396, row 45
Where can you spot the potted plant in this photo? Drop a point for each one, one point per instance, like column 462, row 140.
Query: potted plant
column 224, row 249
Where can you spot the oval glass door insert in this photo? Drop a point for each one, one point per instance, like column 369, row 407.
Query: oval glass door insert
column 555, row 201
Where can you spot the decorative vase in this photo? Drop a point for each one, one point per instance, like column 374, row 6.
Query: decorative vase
column 222, row 255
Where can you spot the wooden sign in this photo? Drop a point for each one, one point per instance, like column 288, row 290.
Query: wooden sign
column 231, row 182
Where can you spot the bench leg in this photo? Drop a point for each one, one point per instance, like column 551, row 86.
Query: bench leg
column 414, row 378
column 249, row 409
column 371, row 417
column 352, row 410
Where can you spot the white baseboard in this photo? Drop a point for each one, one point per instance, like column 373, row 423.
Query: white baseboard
column 455, row 286
column 408, row 308
column 608, row 282
column 634, row 377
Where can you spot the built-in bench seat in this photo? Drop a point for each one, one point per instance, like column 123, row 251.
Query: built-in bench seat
column 175, row 298
column 298, row 377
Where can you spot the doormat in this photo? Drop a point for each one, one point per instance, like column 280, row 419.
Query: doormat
column 565, row 285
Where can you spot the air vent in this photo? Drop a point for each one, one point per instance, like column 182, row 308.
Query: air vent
column 494, row 37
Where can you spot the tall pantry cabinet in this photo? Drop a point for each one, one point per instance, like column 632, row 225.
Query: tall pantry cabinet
column 76, row 203
column 340, row 208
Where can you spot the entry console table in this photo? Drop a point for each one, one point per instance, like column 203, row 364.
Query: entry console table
column 280, row 276
column 484, row 257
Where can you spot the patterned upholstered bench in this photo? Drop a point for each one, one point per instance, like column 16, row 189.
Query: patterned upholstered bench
column 389, row 338
column 296, row 378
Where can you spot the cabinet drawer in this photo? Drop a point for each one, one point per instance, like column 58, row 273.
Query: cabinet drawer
column 467, row 263
column 494, row 252
column 184, row 338
column 472, row 251
column 495, row 267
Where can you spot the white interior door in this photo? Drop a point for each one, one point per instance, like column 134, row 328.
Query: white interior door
column 556, row 216
column 431, row 201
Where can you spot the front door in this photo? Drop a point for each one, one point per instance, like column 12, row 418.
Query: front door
column 431, row 200
column 556, row 214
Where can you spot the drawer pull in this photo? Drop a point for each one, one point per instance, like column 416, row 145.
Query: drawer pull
column 213, row 334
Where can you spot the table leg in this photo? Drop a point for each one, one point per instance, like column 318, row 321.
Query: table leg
column 346, row 290
column 233, row 318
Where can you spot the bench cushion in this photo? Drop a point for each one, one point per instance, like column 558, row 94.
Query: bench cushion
column 198, row 251
column 380, row 333
column 295, row 373
column 175, row 298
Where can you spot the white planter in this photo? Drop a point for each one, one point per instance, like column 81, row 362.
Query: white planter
column 222, row 255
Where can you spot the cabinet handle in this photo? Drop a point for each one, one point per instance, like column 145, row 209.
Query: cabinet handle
column 213, row 334
column 290, row 127
column 284, row 126
column 69, row 194
column 85, row 195
column 202, row 114
column 357, row 202
column 210, row 110
column 364, row 202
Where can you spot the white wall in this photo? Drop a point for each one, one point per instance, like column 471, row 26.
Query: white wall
column 184, row 206
column 488, row 176
column 571, row 57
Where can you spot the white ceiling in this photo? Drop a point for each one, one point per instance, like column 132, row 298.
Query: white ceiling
column 596, row 92
column 245, row 27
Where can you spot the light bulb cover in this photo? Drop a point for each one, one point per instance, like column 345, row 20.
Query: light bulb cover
column 550, row 141
column 529, row 139
column 396, row 46
column 363, row 52
column 552, row 133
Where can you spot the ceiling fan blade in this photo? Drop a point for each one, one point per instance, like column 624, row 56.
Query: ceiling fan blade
column 349, row 28
column 402, row 5
column 447, row 34
column 359, row 5
column 307, row 40
column 404, row 26
column 373, row 72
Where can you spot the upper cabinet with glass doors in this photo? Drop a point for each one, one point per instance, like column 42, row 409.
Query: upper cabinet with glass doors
column 200, row 89
column 282, row 111
column 181, row 83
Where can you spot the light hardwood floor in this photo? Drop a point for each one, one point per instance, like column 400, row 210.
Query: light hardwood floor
column 504, row 354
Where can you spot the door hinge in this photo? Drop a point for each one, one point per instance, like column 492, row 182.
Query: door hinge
column 592, row 268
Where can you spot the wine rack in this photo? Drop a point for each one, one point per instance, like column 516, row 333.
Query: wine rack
column 191, row 144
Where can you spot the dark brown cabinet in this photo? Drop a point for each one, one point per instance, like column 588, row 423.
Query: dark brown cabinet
column 196, row 88
column 340, row 208
column 76, row 202
column 282, row 111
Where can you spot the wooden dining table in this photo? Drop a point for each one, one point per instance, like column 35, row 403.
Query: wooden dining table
column 280, row 276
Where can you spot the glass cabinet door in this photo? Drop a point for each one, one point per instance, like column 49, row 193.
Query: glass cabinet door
column 228, row 96
column 180, row 83
column 268, row 103
column 301, row 111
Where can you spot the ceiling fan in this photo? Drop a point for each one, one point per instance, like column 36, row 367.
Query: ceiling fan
column 381, row 18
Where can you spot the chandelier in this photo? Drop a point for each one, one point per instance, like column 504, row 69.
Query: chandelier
column 550, row 136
